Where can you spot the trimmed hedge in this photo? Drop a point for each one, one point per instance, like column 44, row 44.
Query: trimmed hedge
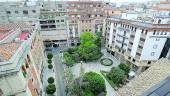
column 50, row 56
column 49, row 61
column 50, row 66
column 51, row 89
column 50, row 80
column 106, row 61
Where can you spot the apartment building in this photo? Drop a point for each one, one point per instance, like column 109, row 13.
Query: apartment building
column 53, row 23
column 19, row 11
column 21, row 60
column 138, row 42
column 84, row 16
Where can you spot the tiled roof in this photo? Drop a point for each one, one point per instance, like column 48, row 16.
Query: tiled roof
column 7, row 50
column 6, row 29
column 4, row 33
column 156, row 73
column 11, row 26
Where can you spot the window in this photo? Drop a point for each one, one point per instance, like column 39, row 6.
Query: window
column 142, row 31
column 16, row 12
column 57, row 21
column 142, row 39
column 157, row 39
column 25, row 12
column 146, row 32
column 152, row 53
column 159, row 21
column 99, row 5
column 129, row 57
column 140, row 47
column 133, row 60
column 155, row 46
column 43, row 22
column 52, row 26
column 149, row 62
column 138, row 54
column 33, row 11
column 8, row 12
column 60, row 6
column 44, row 26
column 129, row 49
column 154, row 32
column 135, row 29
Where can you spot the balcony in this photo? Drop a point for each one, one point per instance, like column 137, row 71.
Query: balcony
column 141, row 43
column 139, row 50
column 123, row 36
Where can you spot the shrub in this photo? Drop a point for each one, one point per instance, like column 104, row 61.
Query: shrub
column 68, row 59
column 50, row 56
column 94, row 83
column 87, row 93
column 49, row 61
column 50, row 66
column 125, row 67
column 117, row 75
column 72, row 50
column 50, row 80
column 50, row 89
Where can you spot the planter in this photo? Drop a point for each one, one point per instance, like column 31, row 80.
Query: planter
column 106, row 61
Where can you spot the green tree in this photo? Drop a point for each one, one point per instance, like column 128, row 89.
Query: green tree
column 125, row 67
column 87, row 93
column 50, row 56
column 94, row 83
column 68, row 59
column 98, row 39
column 87, row 37
column 89, row 51
column 117, row 75
column 50, row 89
column 50, row 80
column 72, row 50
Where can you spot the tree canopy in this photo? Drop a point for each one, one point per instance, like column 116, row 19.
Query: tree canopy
column 117, row 75
column 94, row 83
column 88, row 49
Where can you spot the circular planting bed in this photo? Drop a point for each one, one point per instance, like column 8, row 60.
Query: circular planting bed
column 106, row 61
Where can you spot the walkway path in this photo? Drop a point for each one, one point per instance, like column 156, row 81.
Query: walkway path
column 97, row 67
column 59, row 74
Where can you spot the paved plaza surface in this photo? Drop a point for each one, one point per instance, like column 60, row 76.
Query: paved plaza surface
column 97, row 67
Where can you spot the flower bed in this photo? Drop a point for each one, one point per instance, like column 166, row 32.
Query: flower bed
column 106, row 61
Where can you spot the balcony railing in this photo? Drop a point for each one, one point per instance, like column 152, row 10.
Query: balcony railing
column 142, row 24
